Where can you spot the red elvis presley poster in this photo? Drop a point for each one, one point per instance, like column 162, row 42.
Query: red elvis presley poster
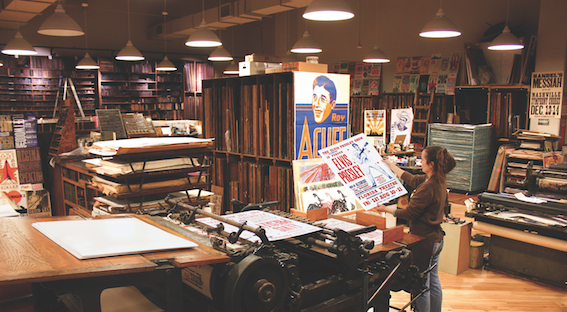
column 357, row 163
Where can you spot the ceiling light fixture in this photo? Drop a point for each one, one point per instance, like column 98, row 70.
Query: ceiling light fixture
column 306, row 44
column 19, row 45
column 328, row 11
column 232, row 69
column 506, row 41
column 376, row 55
column 165, row 64
column 440, row 27
column 87, row 62
column 129, row 52
column 220, row 54
column 203, row 37
column 60, row 24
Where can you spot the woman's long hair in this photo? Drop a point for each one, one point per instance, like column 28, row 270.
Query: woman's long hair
column 443, row 161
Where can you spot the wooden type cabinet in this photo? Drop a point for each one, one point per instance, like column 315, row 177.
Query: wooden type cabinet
column 470, row 145
column 73, row 192
column 29, row 84
column 140, row 88
column 251, row 119
column 75, row 188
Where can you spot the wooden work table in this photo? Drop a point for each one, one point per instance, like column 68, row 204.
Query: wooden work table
column 27, row 256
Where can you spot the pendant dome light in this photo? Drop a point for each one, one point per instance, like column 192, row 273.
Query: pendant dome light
column 328, row 11
column 440, row 27
column 306, row 45
column 506, row 41
column 165, row 64
column 87, row 62
column 232, row 69
column 18, row 45
column 129, row 52
column 203, row 37
column 376, row 55
column 220, row 54
column 60, row 24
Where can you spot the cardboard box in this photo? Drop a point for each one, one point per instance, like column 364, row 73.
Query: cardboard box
column 273, row 70
column 454, row 258
column 254, row 57
column 254, row 68
column 305, row 67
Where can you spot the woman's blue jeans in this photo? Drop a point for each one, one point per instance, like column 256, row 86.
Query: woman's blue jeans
column 431, row 300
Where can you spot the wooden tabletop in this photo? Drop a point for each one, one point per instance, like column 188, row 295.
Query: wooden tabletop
column 28, row 256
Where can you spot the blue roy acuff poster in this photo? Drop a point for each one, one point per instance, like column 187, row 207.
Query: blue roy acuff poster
column 321, row 111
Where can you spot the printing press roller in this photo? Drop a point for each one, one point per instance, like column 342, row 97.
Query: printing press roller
column 324, row 271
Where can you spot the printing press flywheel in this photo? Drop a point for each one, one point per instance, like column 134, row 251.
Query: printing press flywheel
column 255, row 284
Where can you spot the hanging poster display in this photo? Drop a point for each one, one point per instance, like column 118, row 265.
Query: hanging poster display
column 321, row 111
column 357, row 163
column 375, row 126
column 546, row 95
column 401, row 124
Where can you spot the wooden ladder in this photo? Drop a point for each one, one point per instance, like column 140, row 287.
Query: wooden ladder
column 421, row 114
column 63, row 139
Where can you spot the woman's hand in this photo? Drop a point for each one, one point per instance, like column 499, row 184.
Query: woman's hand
column 381, row 208
column 395, row 169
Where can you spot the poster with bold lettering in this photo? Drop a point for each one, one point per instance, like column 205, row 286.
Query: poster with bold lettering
column 546, row 95
column 357, row 163
column 321, row 111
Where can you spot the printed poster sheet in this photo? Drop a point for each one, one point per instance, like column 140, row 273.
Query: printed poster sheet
column 316, row 186
column 277, row 227
column 321, row 111
column 401, row 124
column 357, row 163
column 377, row 235
column 375, row 126
column 546, row 95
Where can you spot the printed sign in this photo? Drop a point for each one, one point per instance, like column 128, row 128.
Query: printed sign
column 357, row 163
column 321, row 111
column 546, row 95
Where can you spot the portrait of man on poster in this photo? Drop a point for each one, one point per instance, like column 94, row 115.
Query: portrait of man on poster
column 324, row 98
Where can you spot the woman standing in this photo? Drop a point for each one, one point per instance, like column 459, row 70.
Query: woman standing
column 425, row 212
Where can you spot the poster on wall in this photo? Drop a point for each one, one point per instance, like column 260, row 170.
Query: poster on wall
column 401, row 125
column 9, row 176
column 546, row 95
column 321, row 111
column 362, row 171
column 375, row 126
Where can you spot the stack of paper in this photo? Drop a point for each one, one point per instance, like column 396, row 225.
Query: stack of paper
column 86, row 239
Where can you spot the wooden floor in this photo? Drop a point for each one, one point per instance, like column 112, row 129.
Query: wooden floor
column 489, row 290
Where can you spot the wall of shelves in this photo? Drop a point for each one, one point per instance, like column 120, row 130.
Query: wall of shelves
column 31, row 84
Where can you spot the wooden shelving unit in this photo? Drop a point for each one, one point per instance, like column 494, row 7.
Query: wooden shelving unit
column 251, row 119
column 29, row 84
column 139, row 88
